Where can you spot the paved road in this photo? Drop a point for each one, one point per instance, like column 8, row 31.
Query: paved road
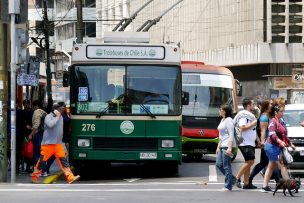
column 197, row 182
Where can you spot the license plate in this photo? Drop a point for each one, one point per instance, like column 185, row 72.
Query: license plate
column 302, row 153
column 200, row 151
column 148, row 155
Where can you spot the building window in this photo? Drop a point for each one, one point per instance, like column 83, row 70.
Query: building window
column 70, row 30
column 295, row 21
column 277, row 18
column 62, row 6
column 295, row 39
column 50, row 3
column 89, row 3
column 89, row 29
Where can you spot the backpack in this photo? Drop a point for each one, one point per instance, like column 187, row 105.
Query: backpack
column 238, row 135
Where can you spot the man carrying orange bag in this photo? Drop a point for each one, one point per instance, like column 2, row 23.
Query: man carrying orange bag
column 52, row 145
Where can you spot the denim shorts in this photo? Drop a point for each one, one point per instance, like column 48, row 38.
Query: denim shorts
column 272, row 152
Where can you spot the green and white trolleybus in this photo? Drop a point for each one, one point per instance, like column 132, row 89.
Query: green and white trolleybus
column 125, row 104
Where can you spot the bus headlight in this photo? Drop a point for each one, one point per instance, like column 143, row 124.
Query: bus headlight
column 167, row 143
column 83, row 143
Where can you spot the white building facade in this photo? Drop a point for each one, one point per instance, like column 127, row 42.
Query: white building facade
column 253, row 38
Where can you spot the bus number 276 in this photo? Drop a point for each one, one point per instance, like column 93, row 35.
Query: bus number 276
column 88, row 127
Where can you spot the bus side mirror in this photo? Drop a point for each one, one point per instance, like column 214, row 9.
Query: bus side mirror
column 239, row 88
column 185, row 98
column 66, row 79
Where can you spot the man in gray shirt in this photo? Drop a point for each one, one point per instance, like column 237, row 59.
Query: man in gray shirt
column 52, row 145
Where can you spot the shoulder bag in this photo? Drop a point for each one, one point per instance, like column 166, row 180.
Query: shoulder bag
column 286, row 156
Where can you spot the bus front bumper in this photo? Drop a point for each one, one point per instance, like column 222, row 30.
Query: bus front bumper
column 127, row 156
column 199, row 146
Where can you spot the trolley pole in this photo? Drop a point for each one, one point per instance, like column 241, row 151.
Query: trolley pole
column 14, row 8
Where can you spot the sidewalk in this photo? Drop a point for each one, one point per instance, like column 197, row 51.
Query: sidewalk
column 26, row 178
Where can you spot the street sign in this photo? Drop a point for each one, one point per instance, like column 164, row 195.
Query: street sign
column 59, row 74
column 27, row 79
column 34, row 65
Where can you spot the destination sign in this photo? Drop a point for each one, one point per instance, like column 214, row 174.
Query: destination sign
column 125, row 52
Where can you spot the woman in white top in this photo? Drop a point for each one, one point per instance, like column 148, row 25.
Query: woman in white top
column 226, row 145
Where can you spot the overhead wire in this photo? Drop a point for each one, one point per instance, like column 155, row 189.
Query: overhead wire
column 194, row 23
column 177, row 10
column 191, row 29
column 71, row 6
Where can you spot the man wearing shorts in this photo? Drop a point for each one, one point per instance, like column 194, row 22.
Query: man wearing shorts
column 246, row 121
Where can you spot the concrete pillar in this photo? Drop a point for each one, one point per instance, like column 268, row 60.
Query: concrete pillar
column 3, row 100
column 104, row 16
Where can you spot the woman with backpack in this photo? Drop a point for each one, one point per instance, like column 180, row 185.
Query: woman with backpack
column 226, row 146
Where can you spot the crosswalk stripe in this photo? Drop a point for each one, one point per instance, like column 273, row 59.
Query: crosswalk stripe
column 212, row 173
column 259, row 183
column 119, row 190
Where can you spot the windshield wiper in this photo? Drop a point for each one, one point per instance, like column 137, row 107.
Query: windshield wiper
column 143, row 107
column 103, row 112
column 107, row 108
column 147, row 111
column 195, row 100
column 126, row 98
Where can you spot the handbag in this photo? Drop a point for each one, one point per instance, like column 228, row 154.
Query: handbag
column 286, row 156
column 28, row 149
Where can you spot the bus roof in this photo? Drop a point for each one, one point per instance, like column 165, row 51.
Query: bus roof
column 126, row 53
column 201, row 67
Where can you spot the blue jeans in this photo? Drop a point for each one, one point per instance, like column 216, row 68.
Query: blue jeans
column 223, row 163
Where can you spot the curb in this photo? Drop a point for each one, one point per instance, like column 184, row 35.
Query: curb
column 53, row 178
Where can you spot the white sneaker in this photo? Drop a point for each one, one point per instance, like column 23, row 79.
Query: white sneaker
column 44, row 174
column 266, row 189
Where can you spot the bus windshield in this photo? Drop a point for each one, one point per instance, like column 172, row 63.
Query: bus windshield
column 207, row 92
column 125, row 89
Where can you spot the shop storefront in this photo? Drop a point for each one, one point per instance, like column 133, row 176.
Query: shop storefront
column 288, row 86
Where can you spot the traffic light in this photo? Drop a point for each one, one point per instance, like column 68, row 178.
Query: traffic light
column 66, row 79
column 21, row 43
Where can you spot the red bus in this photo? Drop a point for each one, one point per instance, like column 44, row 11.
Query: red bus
column 209, row 87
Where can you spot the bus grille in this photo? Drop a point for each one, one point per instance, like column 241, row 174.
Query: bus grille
column 103, row 143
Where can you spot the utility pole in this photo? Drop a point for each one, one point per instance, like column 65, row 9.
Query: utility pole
column 47, row 51
column 79, row 25
column 14, row 8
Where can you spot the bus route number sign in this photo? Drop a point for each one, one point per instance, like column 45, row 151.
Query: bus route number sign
column 83, row 94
